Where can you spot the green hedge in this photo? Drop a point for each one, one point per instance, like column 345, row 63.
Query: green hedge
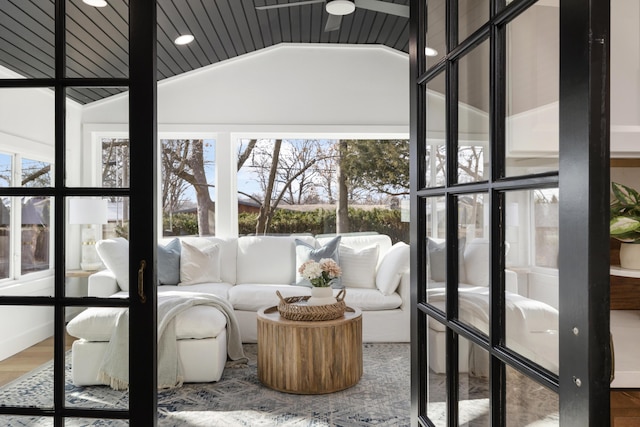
column 321, row 221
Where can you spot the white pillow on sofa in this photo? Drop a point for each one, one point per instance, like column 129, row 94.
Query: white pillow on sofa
column 199, row 265
column 359, row 266
column 114, row 253
column 392, row 266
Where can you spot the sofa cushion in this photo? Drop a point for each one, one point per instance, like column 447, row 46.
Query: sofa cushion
column 306, row 252
column 362, row 240
column 228, row 253
column 371, row 299
column 266, row 260
column 392, row 266
column 476, row 262
column 253, row 297
column 359, row 266
column 169, row 263
column 114, row 253
column 98, row 323
column 437, row 252
column 199, row 265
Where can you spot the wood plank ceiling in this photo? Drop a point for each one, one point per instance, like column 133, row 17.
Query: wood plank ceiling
column 97, row 38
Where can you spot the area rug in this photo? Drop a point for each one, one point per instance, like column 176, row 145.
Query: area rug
column 381, row 398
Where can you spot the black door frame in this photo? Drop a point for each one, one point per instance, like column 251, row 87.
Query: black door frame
column 583, row 180
column 142, row 338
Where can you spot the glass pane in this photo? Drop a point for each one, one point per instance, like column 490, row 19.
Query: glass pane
column 36, row 246
column 474, row 257
column 436, row 156
column 472, row 14
column 15, row 420
column 293, row 186
column 436, row 377
column 6, row 170
column 436, row 37
column 87, row 345
column 531, row 275
column 36, row 173
column 27, row 123
column 473, row 115
column 532, row 80
column 473, row 385
column 97, row 39
column 27, row 26
column 436, row 222
column 529, row 403
column 188, row 186
column 5, row 237
column 26, row 354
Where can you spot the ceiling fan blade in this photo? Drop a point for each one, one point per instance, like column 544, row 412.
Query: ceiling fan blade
column 384, row 7
column 333, row 22
column 278, row 6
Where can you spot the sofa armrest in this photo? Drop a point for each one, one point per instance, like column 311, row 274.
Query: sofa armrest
column 102, row 284
column 404, row 290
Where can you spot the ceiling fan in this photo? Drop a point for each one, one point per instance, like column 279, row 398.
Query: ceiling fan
column 338, row 8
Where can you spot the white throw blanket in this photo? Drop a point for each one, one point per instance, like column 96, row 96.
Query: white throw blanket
column 114, row 370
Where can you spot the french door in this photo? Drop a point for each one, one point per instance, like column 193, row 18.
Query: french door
column 45, row 110
column 510, row 250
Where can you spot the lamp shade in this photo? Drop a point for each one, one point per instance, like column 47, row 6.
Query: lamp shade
column 87, row 211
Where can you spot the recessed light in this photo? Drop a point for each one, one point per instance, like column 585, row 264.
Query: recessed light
column 184, row 39
column 429, row 51
column 96, row 3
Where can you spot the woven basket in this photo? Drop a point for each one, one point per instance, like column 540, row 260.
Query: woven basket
column 296, row 308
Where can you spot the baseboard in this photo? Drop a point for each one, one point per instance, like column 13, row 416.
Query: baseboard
column 21, row 341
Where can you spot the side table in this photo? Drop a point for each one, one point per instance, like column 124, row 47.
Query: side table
column 313, row 357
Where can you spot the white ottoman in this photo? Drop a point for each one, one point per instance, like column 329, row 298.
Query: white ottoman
column 201, row 342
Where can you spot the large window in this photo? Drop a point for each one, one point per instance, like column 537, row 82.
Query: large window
column 29, row 249
column 187, row 175
column 323, row 186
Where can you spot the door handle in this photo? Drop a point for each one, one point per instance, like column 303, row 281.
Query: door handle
column 612, row 375
column 141, row 294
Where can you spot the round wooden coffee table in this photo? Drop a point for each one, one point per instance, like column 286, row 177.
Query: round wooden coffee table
column 312, row 357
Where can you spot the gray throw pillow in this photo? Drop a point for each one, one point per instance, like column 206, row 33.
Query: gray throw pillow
column 169, row 263
column 306, row 252
column 437, row 260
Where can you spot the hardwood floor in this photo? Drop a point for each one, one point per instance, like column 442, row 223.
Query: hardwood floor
column 29, row 359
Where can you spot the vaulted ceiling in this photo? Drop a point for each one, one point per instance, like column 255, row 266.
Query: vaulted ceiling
column 97, row 38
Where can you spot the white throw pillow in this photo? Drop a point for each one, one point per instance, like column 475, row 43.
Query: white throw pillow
column 199, row 265
column 393, row 265
column 359, row 266
column 114, row 253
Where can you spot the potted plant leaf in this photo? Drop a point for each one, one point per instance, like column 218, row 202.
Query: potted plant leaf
column 625, row 224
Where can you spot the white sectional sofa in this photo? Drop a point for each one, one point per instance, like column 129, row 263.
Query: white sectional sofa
column 247, row 271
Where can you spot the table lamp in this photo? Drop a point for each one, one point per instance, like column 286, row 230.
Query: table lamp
column 88, row 212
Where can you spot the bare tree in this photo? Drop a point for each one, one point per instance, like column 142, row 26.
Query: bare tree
column 185, row 159
column 275, row 172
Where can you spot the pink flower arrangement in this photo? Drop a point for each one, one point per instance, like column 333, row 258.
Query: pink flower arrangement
column 321, row 273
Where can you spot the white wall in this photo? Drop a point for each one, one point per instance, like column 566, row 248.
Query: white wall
column 288, row 84
column 286, row 91
column 27, row 127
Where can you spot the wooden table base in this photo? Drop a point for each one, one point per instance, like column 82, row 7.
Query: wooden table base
column 309, row 357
